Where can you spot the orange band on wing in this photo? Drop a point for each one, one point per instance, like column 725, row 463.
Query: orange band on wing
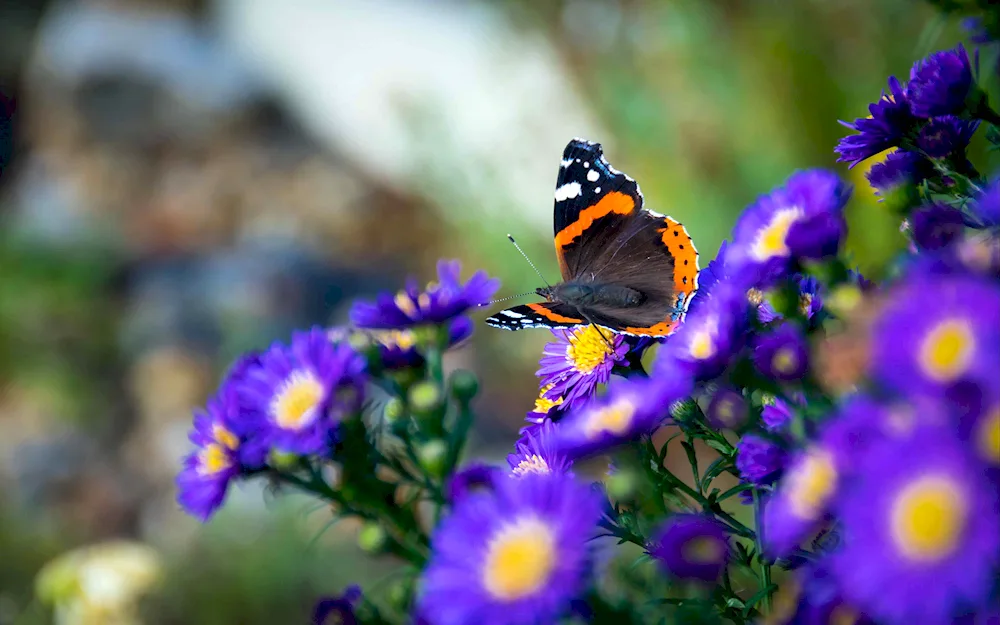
column 551, row 316
column 663, row 328
column 680, row 246
column 613, row 202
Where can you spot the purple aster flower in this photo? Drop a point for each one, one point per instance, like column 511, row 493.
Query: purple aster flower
column 302, row 390
column 802, row 219
column 536, row 452
column 782, row 354
column 337, row 610
column 856, row 278
column 900, row 167
column 728, row 409
column 208, row 471
column 816, row 600
column 977, row 410
column 708, row 277
column 469, row 479
column 776, row 415
column 398, row 349
column 631, row 408
column 691, row 546
column 441, row 301
column 944, row 136
column 885, row 128
column 578, row 360
column 707, row 341
column 921, row 533
column 985, row 208
column 759, row 460
column 940, row 83
column 935, row 331
column 518, row 554
column 936, row 226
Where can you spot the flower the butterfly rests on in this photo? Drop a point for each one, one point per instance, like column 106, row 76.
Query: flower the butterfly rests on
column 624, row 268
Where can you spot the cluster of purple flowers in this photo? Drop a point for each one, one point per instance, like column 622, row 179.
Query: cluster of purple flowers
column 881, row 498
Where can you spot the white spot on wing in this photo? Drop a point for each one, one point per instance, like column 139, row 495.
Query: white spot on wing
column 597, row 189
column 511, row 314
column 568, row 191
column 593, row 176
column 586, row 164
column 566, row 163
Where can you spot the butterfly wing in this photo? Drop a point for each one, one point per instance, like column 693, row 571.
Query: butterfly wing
column 594, row 205
column 654, row 254
column 540, row 315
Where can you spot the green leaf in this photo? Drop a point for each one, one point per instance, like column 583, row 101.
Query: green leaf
column 714, row 470
column 692, row 458
column 756, row 598
column 735, row 490
column 723, row 448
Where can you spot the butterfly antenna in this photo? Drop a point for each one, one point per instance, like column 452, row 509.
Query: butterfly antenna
column 529, row 261
column 504, row 299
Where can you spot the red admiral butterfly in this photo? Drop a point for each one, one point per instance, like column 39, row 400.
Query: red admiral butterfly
column 624, row 268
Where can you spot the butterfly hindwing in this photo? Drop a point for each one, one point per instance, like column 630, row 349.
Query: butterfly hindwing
column 594, row 203
column 540, row 315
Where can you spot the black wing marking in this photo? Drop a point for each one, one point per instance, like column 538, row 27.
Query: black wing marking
column 540, row 315
column 594, row 203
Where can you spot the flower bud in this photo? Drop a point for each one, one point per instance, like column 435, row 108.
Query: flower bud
column 394, row 410
column 371, row 537
column 425, row 397
column 432, row 456
column 464, row 385
column 844, row 299
column 621, row 485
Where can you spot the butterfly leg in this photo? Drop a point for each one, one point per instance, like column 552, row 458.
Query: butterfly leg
column 599, row 329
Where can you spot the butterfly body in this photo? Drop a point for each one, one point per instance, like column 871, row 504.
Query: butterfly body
column 624, row 268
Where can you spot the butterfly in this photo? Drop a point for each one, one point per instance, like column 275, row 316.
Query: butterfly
column 624, row 268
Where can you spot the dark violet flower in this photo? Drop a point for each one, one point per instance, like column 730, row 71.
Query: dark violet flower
column 631, row 408
column 977, row 410
column 936, row 226
column 985, row 208
column 708, row 340
column 782, row 354
column 810, row 300
column 302, row 390
column 935, row 331
column 776, row 415
column 759, row 460
column 536, row 452
column 940, row 83
column 207, row 472
column 728, row 409
column 802, row 219
column 469, row 479
column 889, row 122
column 944, row 136
column 337, row 610
column 578, row 360
column 691, row 546
column 441, row 301
column 812, row 598
column 519, row 554
column 921, row 530
column 900, row 167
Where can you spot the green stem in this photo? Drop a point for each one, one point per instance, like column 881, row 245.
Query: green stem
column 459, row 434
column 765, row 568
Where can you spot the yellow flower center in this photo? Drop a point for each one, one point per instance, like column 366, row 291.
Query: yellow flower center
column 947, row 350
column 224, row 437
column 988, row 435
column 403, row 339
column 532, row 464
column 811, row 483
column 702, row 346
column 212, row 459
column 785, row 361
column 520, row 559
column 544, row 404
column 703, row 550
column 406, row 304
column 770, row 241
column 843, row 615
column 294, row 405
column 613, row 419
column 928, row 517
column 805, row 303
column 588, row 348
column 755, row 296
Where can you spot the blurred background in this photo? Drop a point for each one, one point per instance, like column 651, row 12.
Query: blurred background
column 193, row 178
